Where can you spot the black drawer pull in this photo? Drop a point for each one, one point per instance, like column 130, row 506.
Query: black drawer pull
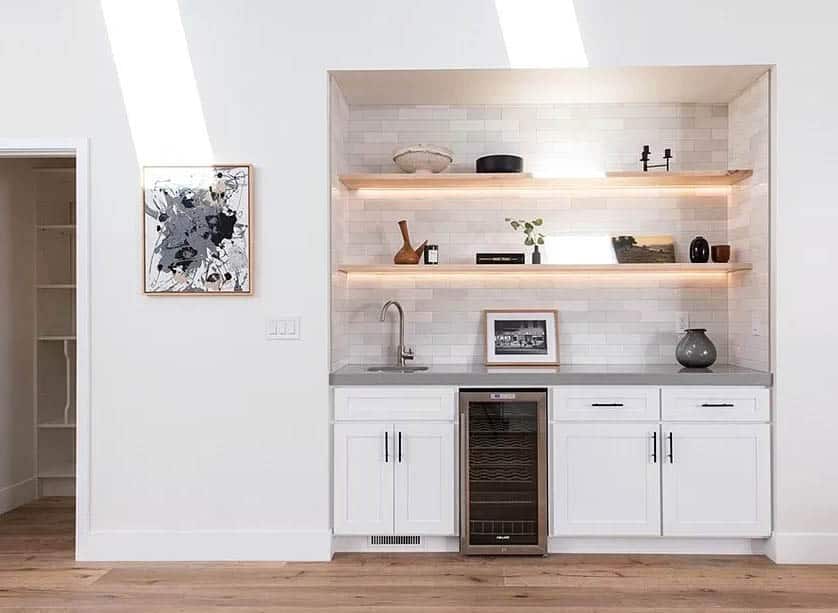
column 718, row 405
column 386, row 446
column 671, row 449
column 607, row 404
column 400, row 447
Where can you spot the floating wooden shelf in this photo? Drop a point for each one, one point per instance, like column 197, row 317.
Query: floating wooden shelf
column 525, row 181
column 546, row 269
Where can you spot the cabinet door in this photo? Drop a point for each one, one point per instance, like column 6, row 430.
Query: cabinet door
column 606, row 479
column 364, row 466
column 426, row 479
column 717, row 480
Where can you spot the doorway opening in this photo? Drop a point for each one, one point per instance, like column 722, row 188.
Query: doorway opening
column 39, row 332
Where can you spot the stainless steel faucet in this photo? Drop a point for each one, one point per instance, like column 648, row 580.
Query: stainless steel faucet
column 403, row 352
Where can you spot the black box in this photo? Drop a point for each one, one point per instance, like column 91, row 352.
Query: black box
column 500, row 258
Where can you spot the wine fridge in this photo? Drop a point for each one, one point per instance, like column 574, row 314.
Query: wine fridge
column 503, row 471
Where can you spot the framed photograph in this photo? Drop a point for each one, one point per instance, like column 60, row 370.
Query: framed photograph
column 644, row 249
column 522, row 337
column 197, row 230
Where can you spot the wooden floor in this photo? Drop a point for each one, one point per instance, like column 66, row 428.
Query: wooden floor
column 37, row 573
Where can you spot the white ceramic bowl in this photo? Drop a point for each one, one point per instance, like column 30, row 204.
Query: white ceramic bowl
column 423, row 158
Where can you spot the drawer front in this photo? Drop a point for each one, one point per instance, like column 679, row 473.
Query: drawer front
column 605, row 403
column 395, row 403
column 748, row 404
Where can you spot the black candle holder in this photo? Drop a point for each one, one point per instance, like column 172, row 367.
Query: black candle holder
column 644, row 157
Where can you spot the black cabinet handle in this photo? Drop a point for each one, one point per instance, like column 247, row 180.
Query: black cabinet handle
column 654, row 447
column 719, row 405
column 671, row 449
column 386, row 447
column 400, row 447
column 607, row 404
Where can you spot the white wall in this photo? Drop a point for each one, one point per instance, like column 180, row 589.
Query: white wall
column 209, row 441
column 17, row 442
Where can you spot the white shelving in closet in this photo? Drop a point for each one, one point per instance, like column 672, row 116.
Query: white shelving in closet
column 55, row 330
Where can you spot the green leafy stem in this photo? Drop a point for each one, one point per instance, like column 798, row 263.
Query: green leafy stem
column 529, row 228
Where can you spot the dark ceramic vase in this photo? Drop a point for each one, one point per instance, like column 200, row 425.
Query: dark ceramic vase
column 695, row 350
column 699, row 250
column 536, row 256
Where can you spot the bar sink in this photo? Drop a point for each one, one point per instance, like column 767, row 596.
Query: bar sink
column 403, row 369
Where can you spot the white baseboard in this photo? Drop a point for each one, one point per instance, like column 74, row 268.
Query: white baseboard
column 804, row 548
column 657, row 545
column 429, row 544
column 205, row 546
column 13, row 496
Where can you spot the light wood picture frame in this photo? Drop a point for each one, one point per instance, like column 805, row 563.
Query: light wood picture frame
column 521, row 337
column 197, row 230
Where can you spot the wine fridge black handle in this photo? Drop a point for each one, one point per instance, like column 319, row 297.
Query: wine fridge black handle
column 400, row 447
column 718, row 405
column 386, row 446
column 671, row 454
column 607, row 404
column 654, row 447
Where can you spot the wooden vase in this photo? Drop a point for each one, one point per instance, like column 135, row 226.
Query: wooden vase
column 407, row 254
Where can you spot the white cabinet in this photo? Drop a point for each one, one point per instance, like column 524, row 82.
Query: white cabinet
column 395, row 461
column 426, row 479
column 363, row 490
column 716, row 480
column 606, row 479
column 700, row 467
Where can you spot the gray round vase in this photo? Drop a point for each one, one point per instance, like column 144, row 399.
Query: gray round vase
column 695, row 350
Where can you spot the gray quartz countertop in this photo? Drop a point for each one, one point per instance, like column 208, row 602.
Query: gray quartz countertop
column 640, row 374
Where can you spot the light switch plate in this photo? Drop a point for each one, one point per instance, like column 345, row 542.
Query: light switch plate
column 756, row 325
column 285, row 329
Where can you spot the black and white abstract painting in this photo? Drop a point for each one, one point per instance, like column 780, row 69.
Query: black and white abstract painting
column 197, row 229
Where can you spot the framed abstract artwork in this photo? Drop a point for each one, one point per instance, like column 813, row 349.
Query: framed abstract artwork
column 197, row 230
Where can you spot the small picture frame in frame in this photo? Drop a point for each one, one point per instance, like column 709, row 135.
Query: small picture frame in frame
column 521, row 337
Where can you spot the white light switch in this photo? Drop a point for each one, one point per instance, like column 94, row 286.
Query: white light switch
column 286, row 329
column 756, row 325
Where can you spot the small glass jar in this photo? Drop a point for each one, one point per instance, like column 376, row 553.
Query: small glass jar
column 432, row 254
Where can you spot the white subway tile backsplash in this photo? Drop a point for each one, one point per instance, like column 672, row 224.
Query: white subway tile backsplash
column 615, row 320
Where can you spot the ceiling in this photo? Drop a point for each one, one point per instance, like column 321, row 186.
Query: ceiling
column 661, row 84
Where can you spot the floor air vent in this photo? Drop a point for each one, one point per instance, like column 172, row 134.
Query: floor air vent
column 395, row 540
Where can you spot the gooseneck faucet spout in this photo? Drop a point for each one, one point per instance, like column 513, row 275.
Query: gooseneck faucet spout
column 403, row 353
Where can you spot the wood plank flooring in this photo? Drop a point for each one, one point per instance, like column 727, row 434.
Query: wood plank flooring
column 37, row 573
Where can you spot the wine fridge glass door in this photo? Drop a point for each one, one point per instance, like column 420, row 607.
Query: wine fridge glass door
column 504, row 464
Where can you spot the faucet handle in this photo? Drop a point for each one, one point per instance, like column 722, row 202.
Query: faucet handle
column 408, row 353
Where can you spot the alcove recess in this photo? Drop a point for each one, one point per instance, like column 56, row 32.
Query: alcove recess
column 580, row 133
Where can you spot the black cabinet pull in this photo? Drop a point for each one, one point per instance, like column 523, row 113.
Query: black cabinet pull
column 718, row 405
column 386, row 447
column 671, row 449
column 400, row 447
column 607, row 404
column 654, row 447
